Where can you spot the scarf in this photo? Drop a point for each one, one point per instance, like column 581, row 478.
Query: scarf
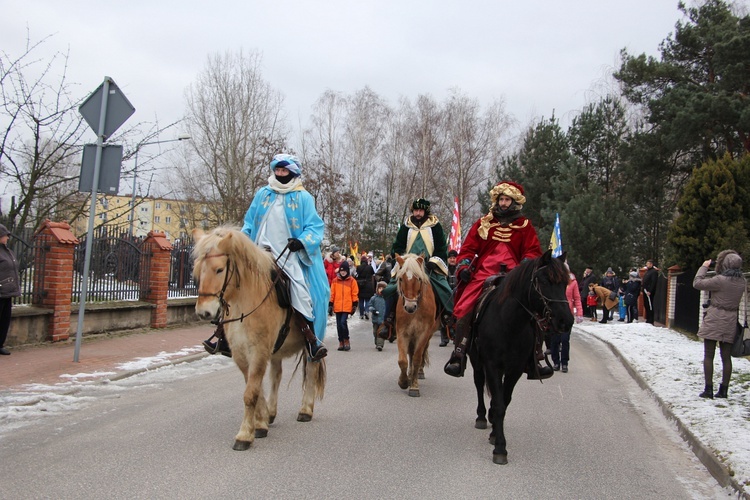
column 293, row 185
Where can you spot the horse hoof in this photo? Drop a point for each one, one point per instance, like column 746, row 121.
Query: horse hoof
column 271, row 418
column 403, row 384
column 414, row 393
column 241, row 445
column 304, row 417
column 261, row 433
column 499, row 459
column 480, row 424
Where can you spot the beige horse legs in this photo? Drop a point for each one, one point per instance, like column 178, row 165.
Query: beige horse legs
column 256, row 412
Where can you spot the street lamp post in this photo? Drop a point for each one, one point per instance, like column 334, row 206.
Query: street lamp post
column 135, row 174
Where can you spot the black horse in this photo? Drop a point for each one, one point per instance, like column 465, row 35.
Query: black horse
column 528, row 301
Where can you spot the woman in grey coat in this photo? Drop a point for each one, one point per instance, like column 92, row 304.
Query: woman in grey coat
column 720, row 319
column 9, row 285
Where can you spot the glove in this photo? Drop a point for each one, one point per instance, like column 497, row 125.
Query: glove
column 431, row 266
column 354, row 307
column 295, row 245
column 464, row 275
column 375, row 313
column 330, row 308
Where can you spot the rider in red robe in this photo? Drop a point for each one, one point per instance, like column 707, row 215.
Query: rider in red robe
column 503, row 236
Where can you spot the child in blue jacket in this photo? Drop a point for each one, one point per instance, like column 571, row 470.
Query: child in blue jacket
column 377, row 313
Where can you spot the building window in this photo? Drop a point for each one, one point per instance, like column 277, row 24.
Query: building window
column 144, row 209
column 158, row 204
column 168, row 220
column 169, row 206
column 157, row 218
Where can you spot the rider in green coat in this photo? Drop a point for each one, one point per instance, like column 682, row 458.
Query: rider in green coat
column 421, row 233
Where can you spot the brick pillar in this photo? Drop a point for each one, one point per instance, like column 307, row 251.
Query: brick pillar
column 157, row 252
column 53, row 288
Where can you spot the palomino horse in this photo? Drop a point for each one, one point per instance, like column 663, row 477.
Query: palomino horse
column 528, row 301
column 415, row 320
column 236, row 288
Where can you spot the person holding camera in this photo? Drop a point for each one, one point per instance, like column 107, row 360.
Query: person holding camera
column 725, row 291
column 9, row 286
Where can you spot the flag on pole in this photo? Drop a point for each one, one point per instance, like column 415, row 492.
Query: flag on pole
column 354, row 250
column 556, row 240
column 454, row 240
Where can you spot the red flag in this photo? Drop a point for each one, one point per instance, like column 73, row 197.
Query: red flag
column 454, row 240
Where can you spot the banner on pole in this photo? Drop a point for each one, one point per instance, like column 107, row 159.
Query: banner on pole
column 454, row 240
column 555, row 243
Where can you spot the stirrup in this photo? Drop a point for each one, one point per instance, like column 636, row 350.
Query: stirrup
column 456, row 366
column 320, row 353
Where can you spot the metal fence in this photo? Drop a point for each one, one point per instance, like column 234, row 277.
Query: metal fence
column 116, row 266
column 181, row 282
column 30, row 254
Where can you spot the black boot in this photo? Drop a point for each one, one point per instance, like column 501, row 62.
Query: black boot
column 221, row 345
column 708, row 392
column 456, row 365
column 315, row 348
column 722, row 392
column 534, row 370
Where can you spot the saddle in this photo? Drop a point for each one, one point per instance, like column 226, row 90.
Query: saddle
column 281, row 284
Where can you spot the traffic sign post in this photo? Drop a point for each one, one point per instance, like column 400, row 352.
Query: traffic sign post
column 104, row 110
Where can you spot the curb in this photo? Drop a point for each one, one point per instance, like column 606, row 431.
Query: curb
column 707, row 457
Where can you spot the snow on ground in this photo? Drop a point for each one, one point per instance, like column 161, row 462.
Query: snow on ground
column 672, row 366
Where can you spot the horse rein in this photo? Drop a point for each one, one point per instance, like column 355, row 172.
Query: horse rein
column 408, row 299
column 224, row 305
column 542, row 321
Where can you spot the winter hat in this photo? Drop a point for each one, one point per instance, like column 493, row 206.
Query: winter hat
column 335, row 249
column 3, row 231
column 344, row 267
column 609, row 271
column 633, row 274
column 452, row 253
column 382, row 284
column 289, row 162
column 420, row 204
column 510, row 189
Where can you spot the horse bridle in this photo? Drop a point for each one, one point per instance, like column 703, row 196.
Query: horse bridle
column 407, row 299
column 542, row 321
column 223, row 304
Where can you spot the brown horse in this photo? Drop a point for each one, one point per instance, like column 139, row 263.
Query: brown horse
column 236, row 288
column 415, row 320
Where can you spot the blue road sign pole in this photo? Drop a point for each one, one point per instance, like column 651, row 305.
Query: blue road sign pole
column 92, row 215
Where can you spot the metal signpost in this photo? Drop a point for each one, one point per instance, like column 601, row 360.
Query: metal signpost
column 104, row 110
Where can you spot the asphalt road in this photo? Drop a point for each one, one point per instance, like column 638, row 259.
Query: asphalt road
column 590, row 433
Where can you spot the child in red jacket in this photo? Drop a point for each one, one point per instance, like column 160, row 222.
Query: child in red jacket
column 344, row 301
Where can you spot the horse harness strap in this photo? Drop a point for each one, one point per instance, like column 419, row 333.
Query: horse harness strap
column 279, row 282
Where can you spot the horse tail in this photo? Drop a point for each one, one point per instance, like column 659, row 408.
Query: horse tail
column 320, row 376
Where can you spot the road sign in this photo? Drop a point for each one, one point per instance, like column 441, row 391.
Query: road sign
column 109, row 173
column 118, row 111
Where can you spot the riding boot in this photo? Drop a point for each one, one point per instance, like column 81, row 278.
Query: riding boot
column 456, row 365
column 534, row 370
column 387, row 328
column 221, row 345
column 315, row 348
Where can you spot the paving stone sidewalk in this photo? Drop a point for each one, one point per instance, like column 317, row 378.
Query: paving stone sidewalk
column 102, row 356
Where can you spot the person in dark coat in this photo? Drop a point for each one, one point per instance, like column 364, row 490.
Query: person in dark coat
column 587, row 278
column 10, row 286
column 632, row 289
column 720, row 319
column 366, row 283
column 649, row 290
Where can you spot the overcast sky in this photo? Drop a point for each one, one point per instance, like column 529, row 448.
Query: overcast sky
column 536, row 55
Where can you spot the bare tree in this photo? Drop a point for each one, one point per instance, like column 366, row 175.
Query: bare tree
column 234, row 118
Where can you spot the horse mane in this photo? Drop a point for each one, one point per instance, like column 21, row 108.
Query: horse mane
column 246, row 255
column 412, row 264
column 520, row 277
